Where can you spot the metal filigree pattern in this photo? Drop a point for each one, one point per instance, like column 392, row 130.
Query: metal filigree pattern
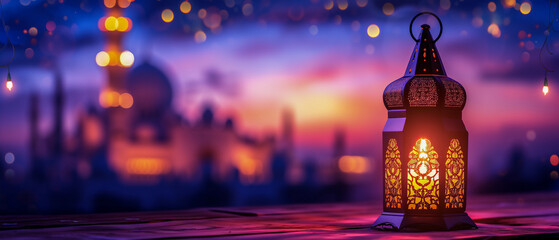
column 455, row 95
column 455, row 169
column 423, row 176
column 392, row 176
column 393, row 93
column 423, row 92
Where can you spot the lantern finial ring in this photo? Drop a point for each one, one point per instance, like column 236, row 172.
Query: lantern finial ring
column 432, row 14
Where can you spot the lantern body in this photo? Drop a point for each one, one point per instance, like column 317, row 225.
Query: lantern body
column 425, row 147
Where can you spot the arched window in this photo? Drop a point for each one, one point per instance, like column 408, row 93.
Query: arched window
column 392, row 176
column 454, row 175
column 423, row 176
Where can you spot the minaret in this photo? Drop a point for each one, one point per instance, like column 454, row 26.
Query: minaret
column 116, row 61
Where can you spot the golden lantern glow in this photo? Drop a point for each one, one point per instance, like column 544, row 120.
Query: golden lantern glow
column 424, row 189
column 423, row 176
column 102, row 58
column 126, row 58
column 125, row 100
column 392, row 176
column 185, row 7
column 373, row 31
column 109, row 98
column 111, row 23
column 167, row 15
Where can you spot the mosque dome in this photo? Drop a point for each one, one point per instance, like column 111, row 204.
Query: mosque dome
column 150, row 87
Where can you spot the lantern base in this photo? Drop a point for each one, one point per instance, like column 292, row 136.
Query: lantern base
column 416, row 223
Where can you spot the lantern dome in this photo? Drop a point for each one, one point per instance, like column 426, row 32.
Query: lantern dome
column 425, row 83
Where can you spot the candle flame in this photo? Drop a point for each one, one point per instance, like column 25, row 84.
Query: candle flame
column 423, row 145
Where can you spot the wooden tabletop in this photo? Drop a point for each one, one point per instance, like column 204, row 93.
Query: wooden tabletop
column 525, row 215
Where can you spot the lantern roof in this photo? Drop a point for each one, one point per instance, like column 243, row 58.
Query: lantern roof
column 425, row 83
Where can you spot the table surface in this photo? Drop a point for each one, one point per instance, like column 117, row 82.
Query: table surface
column 526, row 215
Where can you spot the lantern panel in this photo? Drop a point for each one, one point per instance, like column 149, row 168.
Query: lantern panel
column 455, row 94
column 423, row 176
column 392, row 176
column 423, row 92
column 455, row 167
column 393, row 93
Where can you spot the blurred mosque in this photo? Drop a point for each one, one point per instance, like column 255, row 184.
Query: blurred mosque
column 138, row 139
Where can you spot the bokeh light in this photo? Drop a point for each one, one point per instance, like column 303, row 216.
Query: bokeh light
column 125, row 100
column 110, row 3
column 202, row 13
column 554, row 175
column 200, row 36
column 342, row 4
column 167, row 15
column 111, row 23
column 124, row 3
column 123, row 24
column 33, row 31
column 29, row 53
column 373, row 31
column 102, row 59
column 509, row 3
column 185, row 7
column 492, row 6
column 353, row 164
column 9, row 158
column 328, row 5
column 51, row 26
column 531, row 135
column 362, row 3
column 126, row 58
column 494, row 30
column 388, row 9
column 554, row 160
column 247, row 9
column 525, row 8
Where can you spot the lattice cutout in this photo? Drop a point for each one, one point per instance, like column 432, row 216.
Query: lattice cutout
column 423, row 92
column 392, row 176
column 393, row 93
column 455, row 169
column 455, row 95
column 423, row 176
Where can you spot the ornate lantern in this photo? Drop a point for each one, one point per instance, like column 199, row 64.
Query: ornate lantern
column 425, row 145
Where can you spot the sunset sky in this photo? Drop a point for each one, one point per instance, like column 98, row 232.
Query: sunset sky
column 320, row 62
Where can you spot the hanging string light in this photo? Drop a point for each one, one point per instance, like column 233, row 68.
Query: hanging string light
column 545, row 46
column 9, row 83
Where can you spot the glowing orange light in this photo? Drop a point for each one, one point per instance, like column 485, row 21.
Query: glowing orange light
column 388, row 9
column 353, row 164
column 167, row 15
column 125, row 100
column 554, row 160
column 509, row 3
column 494, row 30
column 109, row 98
column 525, row 8
column 492, row 6
column 110, row 3
column 329, row 5
column 545, row 90
column 123, row 3
column 147, row 166
column 342, row 4
column 373, row 30
column 185, row 7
